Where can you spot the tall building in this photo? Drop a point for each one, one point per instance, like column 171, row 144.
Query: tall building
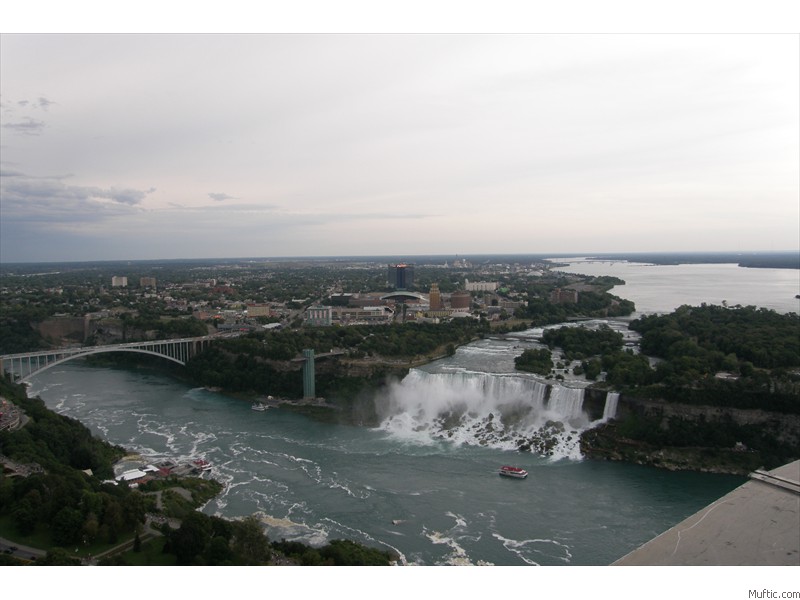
column 460, row 300
column 401, row 276
column 147, row 282
column 435, row 298
column 117, row 281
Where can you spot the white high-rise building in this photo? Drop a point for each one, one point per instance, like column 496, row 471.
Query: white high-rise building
column 480, row 286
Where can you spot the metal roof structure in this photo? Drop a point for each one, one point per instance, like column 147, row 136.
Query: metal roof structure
column 757, row 524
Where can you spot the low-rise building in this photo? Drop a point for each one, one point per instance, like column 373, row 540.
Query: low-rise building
column 460, row 300
column 258, row 310
column 367, row 314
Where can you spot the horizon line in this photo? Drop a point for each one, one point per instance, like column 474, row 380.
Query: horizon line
column 542, row 255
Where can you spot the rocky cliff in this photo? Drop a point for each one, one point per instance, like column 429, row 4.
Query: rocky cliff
column 785, row 428
column 680, row 436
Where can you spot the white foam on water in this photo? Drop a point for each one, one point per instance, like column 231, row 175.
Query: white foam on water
column 507, row 412
column 452, row 538
column 526, row 550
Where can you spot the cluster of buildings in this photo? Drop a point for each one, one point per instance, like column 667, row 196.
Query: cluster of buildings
column 380, row 313
column 405, row 304
column 236, row 304
column 134, row 472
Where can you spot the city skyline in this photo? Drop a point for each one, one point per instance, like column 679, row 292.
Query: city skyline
column 145, row 146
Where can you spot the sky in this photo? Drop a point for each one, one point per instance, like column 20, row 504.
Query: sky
column 155, row 146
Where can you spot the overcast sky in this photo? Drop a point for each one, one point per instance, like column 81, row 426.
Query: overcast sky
column 186, row 146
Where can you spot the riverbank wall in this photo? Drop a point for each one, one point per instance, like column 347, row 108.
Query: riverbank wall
column 785, row 428
column 678, row 436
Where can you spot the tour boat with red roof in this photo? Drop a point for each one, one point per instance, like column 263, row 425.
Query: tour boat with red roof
column 516, row 472
column 201, row 464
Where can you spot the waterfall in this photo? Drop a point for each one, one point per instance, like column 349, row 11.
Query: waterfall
column 494, row 410
column 610, row 408
column 566, row 401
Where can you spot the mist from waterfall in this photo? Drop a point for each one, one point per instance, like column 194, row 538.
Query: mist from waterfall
column 503, row 411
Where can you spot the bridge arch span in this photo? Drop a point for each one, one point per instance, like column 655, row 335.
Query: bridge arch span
column 22, row 367
column 99, row 350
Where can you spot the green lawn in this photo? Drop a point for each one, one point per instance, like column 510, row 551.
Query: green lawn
column 40, row 539
column 151, row 555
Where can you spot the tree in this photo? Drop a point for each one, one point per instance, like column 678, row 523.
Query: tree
column 66, row 526
column 535, row 361
column 250, row 543
column 25, row 517
column 191, row 538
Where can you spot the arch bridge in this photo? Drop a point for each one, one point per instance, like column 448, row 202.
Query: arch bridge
column 22, row 366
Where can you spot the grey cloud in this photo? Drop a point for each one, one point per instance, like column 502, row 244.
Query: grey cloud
column 43, row 103
column 27, row 126
column 50, row 200
column 220, row 197
column 127, row 196
column 22, row 123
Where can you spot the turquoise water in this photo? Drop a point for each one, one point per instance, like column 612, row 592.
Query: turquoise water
column 432, row 500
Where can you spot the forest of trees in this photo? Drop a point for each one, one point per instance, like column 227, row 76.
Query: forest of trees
column 581, row 342
column 590, row 305
column 244, row 364
column 535, row 360
column 397, row 340
column 135, row 328
column 758, row 348
column 58, row 501
column 705, row 339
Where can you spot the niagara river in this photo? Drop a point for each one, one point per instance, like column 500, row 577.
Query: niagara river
column 424, row 484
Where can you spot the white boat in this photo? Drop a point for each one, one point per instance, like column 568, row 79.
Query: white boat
column 260, row 406
column 515, row 472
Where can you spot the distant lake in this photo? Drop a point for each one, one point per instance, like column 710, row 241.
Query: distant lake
column 663, row 288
